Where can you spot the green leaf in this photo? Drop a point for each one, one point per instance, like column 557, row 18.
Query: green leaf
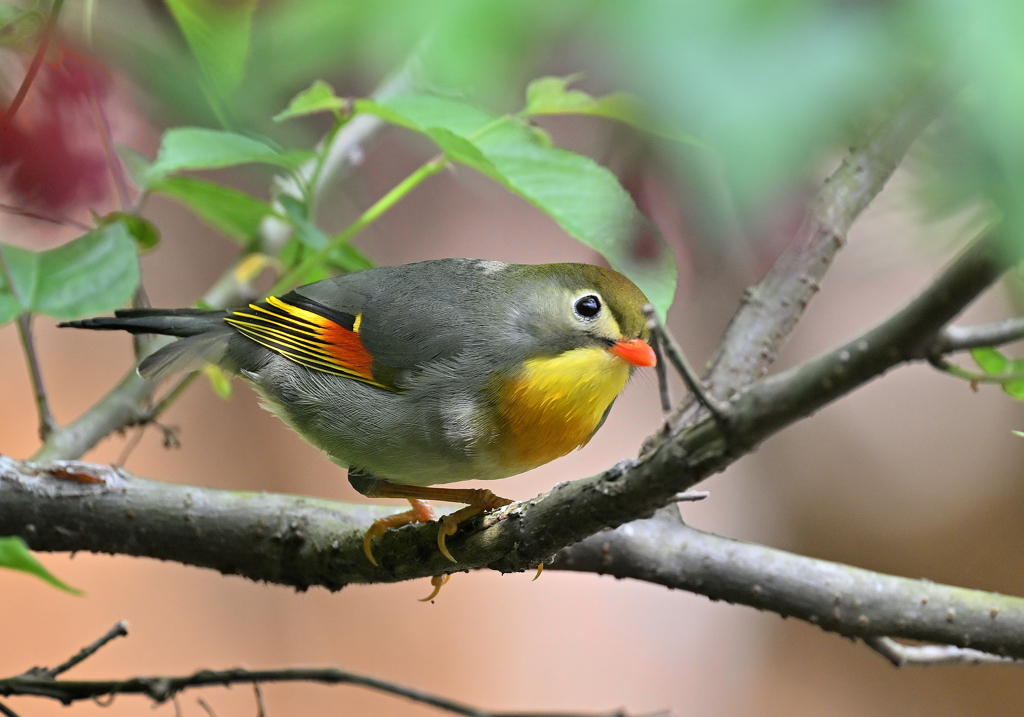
column 319, row 97
column 583, row 197
column 552, row 96
column 191, row 148
column 15, row 555
column 345, row 258
column 236, row 214
column 220, row 382
column 990, row 361
column 461, row 150
column 218, row 34
column 93, row 274
column 142, row 230
column 1019, row 433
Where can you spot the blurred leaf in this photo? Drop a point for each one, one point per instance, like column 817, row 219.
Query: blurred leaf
column 9, row 307
column 990, row 361
column 186, row 148
column 345, row 258
column 1019, row 433
column 584, row 198
column 92, row 274
column 15, row 555
column 1015, row 389
column 8, row 14
column 220, row 382
column 19, row 29
column 142, row 230
column 770, row 85
column 135, row 163
column 236, row 214
column 218, row 32
column 552, row 96
column 319, row 97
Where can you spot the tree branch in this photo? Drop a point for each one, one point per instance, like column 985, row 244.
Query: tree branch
column 963, row 338
column 904, row 655
column 118, row 630
column 770, row 309
column 107, row 515
column 838, row 598
column 42, row 683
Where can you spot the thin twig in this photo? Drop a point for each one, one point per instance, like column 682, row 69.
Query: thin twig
column 46, row 421
column 161, row 689
column 209, row 710
column 963, row 338
column 60, row 221
column 7, row 711
column 690, row 496
column 719, row 410
column 130, row 445
column 260, row 709
column 661, row 370
column 903, row 655
column 33, row 68
column 118, row 630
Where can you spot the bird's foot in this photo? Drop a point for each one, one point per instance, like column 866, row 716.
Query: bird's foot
column 481, row 501
column 421, row 512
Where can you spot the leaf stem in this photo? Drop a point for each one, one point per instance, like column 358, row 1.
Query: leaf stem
column 368, row 217
column 113, row 161
column 46, row 422
column 975, row 377
column 33, row 68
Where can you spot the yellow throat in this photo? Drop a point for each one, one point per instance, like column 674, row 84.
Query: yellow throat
column 555, row 405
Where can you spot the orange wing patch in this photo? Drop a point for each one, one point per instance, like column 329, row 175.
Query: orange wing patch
column 323, row 343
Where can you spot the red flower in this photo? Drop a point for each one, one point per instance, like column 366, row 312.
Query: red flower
column 51, row 158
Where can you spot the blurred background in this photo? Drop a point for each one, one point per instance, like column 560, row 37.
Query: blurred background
column 915, row 474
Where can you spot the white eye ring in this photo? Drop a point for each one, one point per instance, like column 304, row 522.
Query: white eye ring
column 587, row 307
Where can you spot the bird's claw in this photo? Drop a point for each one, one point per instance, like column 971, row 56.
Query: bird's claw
column 438, row 581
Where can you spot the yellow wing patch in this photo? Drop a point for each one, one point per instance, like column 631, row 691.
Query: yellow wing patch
column 328, row 344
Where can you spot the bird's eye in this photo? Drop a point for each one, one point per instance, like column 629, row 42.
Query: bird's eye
column 588, row 306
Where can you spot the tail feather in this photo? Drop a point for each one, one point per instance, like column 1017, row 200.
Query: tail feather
column 204, row 336
column 187, row 354
column 168, row 322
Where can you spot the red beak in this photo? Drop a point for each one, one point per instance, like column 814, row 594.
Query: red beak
column 634, row 351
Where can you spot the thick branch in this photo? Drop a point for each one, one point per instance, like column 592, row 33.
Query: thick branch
column 838, row 598
column 771, row 308
column 211, row 529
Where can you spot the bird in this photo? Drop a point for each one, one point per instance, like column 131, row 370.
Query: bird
column 426, row 373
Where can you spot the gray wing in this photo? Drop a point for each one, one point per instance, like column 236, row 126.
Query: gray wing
column 413, row 313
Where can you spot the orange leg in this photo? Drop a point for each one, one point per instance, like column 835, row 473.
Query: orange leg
column 478, row 501
column 421, row 512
